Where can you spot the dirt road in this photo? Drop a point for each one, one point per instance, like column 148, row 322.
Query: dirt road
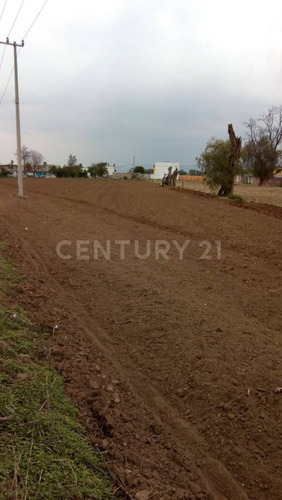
column 173, row 362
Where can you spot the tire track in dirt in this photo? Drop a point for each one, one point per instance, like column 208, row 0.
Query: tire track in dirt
column 252, row 342
column 212, row 474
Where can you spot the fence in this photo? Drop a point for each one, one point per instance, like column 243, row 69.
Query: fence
column 195, row 178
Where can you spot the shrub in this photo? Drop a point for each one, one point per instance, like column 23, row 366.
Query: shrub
column 235, row 197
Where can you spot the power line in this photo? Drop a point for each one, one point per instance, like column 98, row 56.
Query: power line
column 16, row 17
column 4, row 50
column 3, row 55
column 3, row 10
column 32, row 24
column 7, row 84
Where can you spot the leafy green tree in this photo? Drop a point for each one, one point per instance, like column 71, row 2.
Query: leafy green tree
column 247, row 160
column 220, row 162
column 66, row 171
column 139, row 170
column 98, row 169
column 53, row 170
column 214, row 162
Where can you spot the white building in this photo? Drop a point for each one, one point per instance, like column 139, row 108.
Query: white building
column 161, row 168
column 111, row 169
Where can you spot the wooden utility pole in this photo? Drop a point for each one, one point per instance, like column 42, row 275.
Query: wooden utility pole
column 18, row 124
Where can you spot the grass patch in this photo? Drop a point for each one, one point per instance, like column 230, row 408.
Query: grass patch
column 8, row 276
column 44, row 454
column 234, row 197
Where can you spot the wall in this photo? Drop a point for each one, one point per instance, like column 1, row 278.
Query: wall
column 111, row 170
column 161, row 168
column 191, row 178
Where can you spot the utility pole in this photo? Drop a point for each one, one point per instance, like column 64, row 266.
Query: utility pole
column 133, row 165
column 18, row 124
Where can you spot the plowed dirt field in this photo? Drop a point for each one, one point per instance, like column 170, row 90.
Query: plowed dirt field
column 174, row 363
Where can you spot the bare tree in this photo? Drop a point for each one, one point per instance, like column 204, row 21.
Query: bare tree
column 265, row 137
column 25, row 155
column 36, row 160
column 272, row 124
column 72, row 160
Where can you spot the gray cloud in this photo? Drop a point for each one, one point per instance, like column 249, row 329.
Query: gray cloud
column 153, row 80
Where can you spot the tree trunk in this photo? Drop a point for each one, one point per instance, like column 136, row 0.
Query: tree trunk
column 228, row 186
column 173, row 177
column 169, row 176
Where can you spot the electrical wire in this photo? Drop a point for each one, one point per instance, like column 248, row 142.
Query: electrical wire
column 3, row 9
column 3, row 55
column 5, row 90
column 16, row 17
column 32, row 24
column 7, row 84
column 4, row 49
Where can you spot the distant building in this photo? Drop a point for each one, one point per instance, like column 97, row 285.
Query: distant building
column 244, row 179
column 11, row 168
column 40, row 171
column 161, row 168
column 111, row 169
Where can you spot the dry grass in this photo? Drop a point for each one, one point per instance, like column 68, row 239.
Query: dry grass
column 263, row 194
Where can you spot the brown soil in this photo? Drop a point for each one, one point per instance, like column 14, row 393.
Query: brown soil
column 263, row 208
column 173, row 363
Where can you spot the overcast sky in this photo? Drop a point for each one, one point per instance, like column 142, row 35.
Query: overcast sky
column 155, row 79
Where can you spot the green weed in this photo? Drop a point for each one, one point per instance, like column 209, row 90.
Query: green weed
column 44, row 454
column 234, row 197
